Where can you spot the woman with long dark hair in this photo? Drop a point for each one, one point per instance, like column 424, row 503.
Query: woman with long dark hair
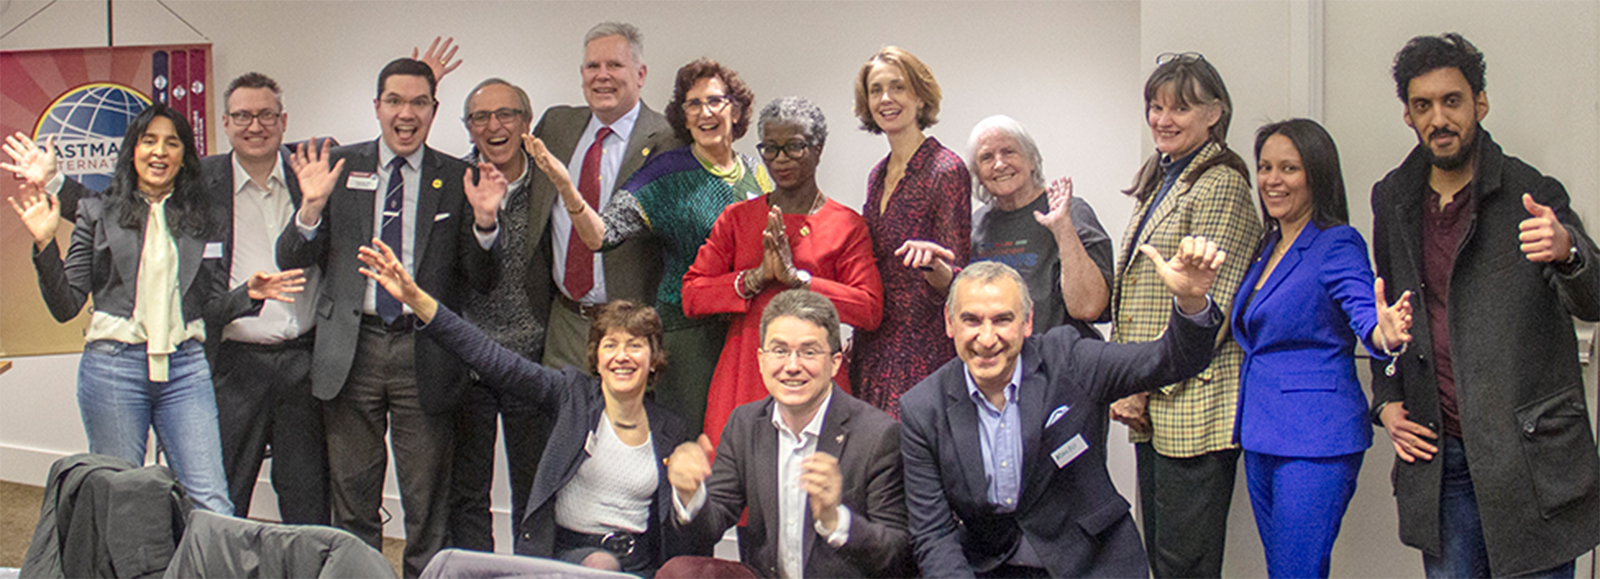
column 1309, row 295
column 145, row 250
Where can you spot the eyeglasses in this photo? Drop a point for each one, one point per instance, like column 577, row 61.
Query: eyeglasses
column 505, row 116
column 267, row 117
column 394, row 102
column 781, row 354
column 792, row 149
column 1167, row 57
column 712, row 104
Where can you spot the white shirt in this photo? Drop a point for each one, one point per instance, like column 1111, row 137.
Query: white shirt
column 259, row 215
column 612, row 152
column 793, row 502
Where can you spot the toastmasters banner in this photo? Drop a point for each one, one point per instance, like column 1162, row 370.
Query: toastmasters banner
column 84, row 97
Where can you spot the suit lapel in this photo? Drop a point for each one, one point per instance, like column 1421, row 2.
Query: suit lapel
column 1285, row 267
column 764, row 451
column 290, row 179
column 643, row 132
column 429, row 193
column 190, row 252
column 364, row 159
column 963, row 419
column 1032, row 399
column 832, row 440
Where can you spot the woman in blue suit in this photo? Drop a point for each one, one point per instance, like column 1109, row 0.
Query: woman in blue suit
column 1303, row 304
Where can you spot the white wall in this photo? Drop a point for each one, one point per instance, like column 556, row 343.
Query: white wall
column 1072, row 72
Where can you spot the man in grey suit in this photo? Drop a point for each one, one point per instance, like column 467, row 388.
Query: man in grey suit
column 367, row 364
column 613, row 72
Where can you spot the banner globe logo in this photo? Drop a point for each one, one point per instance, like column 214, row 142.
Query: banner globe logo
column 88, row 123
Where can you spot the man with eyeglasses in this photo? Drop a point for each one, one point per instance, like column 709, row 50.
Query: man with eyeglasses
column 376, row 377
column 497, row 114
column 816, row 471
column 260, row 364
column 613, row 72
column 1005, row 447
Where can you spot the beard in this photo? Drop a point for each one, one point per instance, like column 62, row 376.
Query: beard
column 1462, row 155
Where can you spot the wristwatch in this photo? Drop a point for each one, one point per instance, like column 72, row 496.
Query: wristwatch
column 802, row 279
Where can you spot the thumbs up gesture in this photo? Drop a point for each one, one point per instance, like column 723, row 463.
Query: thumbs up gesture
column 1543, row 237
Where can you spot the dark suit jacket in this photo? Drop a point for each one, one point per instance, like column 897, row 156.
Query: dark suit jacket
column 447, row 259
column 218, row 173
column 576, row 402
column 103, row 261
column 745, row 475
column 1071, row 515
column 633, row 269
column 1298, row 392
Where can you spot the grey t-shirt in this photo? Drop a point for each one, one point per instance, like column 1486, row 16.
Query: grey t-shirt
column 1016, row 239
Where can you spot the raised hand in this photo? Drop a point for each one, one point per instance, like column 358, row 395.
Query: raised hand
column 40, row 213
column 777, row 258
column 548, row 164
column 33, row 164
column 689, row 466
column 1059, row 219
column 1543, row 237
column 1394, row 321
column 280, row 286
column 1190, row 272
column 385, row 268
column 310, row 164
column 485, row 195
column 822, row 481
column 1410, row 439
column 438, row 57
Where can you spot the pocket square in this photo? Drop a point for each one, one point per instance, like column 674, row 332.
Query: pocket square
column 1056, row 415
column 441, row 217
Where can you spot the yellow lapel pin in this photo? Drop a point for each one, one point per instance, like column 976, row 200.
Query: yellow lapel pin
column 646, row 152
column 437, row 183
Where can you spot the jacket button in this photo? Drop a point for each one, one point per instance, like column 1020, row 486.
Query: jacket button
column 527, row 536
column 1528, row 427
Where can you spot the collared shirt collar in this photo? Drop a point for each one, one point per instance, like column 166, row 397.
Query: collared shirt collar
column 414, row 160
column 813, row 428
column 1011, row 389
column 623, row 127
column 241, row 177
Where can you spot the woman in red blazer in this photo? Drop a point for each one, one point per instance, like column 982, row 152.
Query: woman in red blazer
column 1303, row 304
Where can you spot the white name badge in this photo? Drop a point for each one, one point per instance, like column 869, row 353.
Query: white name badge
column 360, row 181
column 213, row 250
column 1069, row 450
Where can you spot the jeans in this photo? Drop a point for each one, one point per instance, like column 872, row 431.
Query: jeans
column 1463, row 553
column 120, row 404
column 1299, row 504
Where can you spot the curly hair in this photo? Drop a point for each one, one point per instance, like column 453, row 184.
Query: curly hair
column 1425, row 54
column 738, row 92
column 633, row 318
column 917, row 74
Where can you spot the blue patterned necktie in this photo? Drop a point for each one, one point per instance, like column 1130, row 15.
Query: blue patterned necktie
column 393, row 234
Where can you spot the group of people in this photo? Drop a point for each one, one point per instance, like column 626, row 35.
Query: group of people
column 665, row 353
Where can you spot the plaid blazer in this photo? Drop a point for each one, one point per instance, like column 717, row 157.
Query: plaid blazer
column 1194, row 416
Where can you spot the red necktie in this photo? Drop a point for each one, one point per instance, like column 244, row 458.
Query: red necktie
column 580, row 261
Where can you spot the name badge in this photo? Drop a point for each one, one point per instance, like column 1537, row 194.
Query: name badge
column 1069, row 450
column 360, row 181
column 213, row 250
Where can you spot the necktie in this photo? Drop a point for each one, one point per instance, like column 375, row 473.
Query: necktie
column 580, row 261
column 393, row 234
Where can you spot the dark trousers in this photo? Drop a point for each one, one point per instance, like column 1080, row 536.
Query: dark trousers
column 380, row 397
column 264, row 399
column 526, row 431
column 1185, row 503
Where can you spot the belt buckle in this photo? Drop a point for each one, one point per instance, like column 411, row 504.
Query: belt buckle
column 619, row 543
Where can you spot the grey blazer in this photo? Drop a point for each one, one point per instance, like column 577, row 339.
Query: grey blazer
column 447, row 259
column 633, row 269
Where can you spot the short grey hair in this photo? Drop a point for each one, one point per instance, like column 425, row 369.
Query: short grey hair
column 987, row 272
column 806, row 306
column 623, row 29
column 800, row 111
column 522, row 97
column 1009, row 127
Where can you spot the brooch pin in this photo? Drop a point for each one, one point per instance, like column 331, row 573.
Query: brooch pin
column 805, row 230
column 437, row 183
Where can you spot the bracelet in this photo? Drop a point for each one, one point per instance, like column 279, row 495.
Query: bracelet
column 578, row 212
column 1394, row 356
column 738, row 285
